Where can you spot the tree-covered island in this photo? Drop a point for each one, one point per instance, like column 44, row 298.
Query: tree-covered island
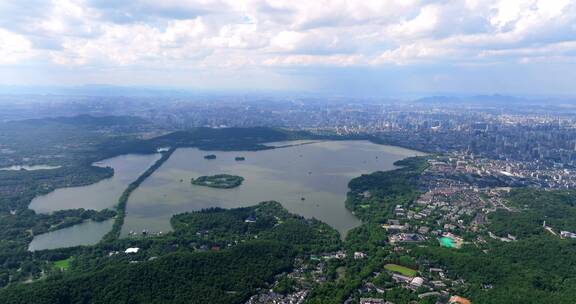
column 220, row 181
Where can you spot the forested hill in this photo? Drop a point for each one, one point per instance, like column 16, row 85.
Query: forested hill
column 229, row 138
column 219, row 139
column 223, row 277
column 177, row 267
column 84, row 139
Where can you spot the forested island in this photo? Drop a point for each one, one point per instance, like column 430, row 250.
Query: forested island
column 220, row 181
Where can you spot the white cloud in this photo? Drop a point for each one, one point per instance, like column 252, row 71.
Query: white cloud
column 13, row 47
column 417, row 52
column 264, row 33
column 311, row 60
column 424, row 23
column 241, row 36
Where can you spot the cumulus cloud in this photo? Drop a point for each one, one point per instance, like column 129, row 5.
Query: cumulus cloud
column 268, row 33
column 14, row 47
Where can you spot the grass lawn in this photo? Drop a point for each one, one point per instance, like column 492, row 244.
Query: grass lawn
column 63, row 264
column 341, row 271
column 401, row 270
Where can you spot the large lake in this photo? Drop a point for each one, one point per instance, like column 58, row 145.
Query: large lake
column 101, row 195
column 317, row 172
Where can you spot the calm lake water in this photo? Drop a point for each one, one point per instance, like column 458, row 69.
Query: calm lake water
column 317, row 172
column 101, row 195
column 87, row 233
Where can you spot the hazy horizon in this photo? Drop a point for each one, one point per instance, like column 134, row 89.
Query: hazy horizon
column 111, row 90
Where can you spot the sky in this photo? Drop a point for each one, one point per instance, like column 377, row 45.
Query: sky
column 355, row 47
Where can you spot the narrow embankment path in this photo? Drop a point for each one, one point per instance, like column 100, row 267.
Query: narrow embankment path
column 114, row 234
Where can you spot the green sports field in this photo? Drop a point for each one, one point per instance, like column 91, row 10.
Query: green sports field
column 401, row 270
column 63, row 264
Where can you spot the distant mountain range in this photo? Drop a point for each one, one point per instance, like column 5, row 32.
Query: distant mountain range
column 143, row 91
column 93, row 90
column 494, row 100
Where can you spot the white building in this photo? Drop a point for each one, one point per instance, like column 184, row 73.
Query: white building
column 132, row 250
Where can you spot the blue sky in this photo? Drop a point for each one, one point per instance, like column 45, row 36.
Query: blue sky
column 356, row 47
